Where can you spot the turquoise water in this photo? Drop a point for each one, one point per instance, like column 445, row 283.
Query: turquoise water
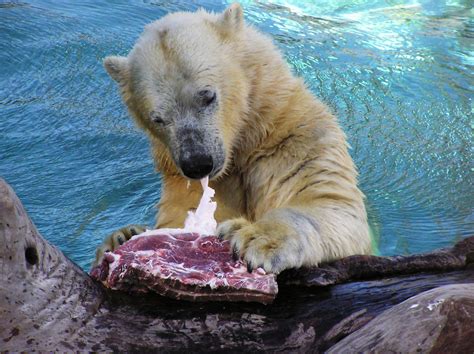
column 399, row 74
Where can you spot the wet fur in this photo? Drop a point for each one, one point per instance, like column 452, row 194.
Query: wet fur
column 287, row 195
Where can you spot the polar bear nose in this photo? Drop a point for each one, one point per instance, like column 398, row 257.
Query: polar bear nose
column 196, row 166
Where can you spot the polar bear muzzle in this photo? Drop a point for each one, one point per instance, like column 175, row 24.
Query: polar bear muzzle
column 195, row 158
column 196, row 165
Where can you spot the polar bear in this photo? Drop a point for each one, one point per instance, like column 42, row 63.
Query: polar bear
column 217, row 99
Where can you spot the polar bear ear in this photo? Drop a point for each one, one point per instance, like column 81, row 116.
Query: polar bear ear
column 232, row 19
column 117, row 67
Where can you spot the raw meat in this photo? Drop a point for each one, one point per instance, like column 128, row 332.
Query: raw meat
column 184, row 266
column 185, row 263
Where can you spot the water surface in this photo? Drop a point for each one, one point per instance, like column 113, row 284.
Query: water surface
column 399, row 75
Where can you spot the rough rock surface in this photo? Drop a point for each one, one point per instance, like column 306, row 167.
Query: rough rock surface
column 44, row 297
column 436, row 321
column 49, row 304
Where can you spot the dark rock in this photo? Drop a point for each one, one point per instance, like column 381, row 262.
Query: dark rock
column 348, row 325
column 371, row 267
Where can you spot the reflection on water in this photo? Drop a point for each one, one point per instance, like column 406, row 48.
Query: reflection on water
column 398, row 74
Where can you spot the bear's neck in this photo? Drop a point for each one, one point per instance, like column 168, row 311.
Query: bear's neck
column 275, row 94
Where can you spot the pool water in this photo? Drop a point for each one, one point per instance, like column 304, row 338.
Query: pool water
column 399, row 75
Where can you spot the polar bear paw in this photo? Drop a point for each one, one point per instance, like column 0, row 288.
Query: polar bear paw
column 263, row 244
column 115, row 240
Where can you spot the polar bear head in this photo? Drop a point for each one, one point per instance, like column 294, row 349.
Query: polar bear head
column 183, row 84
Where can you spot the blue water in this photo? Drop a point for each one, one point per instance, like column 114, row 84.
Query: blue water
column 399, row 74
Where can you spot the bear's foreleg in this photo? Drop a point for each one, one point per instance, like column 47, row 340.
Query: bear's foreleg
column 291, row 237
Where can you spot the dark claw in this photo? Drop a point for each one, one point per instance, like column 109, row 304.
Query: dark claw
column 249, row 267
column 133, row 231
column 221, row 236
column 235, row 253
column 120, row 240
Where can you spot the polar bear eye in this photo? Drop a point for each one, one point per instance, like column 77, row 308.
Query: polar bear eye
column 207, row 96
column 155, row 117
